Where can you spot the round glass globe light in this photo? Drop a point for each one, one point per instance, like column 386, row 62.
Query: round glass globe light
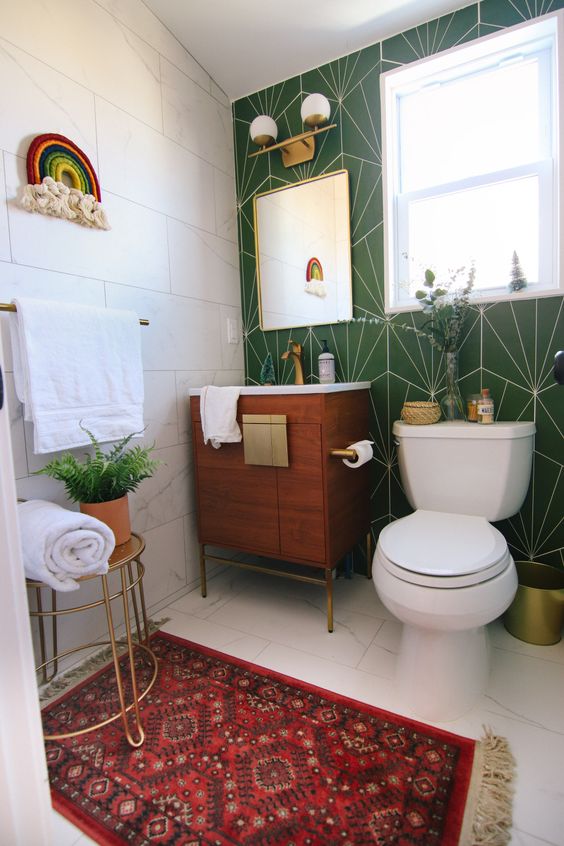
column 263, row 130
column 315, row 110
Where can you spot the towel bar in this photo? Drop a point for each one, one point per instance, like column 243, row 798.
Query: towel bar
column 11, row 307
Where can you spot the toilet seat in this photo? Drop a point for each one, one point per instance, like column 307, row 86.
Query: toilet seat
column 441, row 550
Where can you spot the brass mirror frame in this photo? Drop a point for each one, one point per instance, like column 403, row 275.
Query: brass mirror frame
column 257, row 249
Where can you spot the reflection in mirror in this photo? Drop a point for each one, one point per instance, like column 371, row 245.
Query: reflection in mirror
column 303, row 249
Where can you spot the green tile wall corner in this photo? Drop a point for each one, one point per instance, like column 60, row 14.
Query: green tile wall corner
column 508, row 346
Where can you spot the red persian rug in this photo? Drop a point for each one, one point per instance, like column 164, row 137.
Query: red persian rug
column 235, row 754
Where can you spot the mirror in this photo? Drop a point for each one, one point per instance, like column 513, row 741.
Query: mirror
column 303, row 249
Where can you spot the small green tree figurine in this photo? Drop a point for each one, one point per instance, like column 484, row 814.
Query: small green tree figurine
column 518, row 278
column 267, row 376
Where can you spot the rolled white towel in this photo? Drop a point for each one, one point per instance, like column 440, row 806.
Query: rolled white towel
column 58, row 544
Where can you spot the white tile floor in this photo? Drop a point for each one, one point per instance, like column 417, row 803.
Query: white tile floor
column 281, row 625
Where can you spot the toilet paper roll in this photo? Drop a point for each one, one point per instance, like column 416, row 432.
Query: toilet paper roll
column 363, row 450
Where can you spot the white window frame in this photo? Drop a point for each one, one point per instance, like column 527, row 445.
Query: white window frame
column 396, row 82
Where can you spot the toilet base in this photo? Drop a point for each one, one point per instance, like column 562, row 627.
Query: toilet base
column 441, row 675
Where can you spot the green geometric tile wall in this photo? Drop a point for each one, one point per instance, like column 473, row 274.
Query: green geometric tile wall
column 508, row 346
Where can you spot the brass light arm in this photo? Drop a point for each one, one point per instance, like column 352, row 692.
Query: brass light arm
column 296, row 150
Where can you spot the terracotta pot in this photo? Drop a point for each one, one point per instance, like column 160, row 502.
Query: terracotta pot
column 114, row 514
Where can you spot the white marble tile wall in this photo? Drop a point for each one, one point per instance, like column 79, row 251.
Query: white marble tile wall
column 158, row 130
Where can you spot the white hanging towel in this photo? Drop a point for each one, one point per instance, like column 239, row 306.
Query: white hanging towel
column 76, row 364
column 58, row 545
column 218, row 413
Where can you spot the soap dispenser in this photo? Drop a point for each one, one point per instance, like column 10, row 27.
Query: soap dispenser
column 326, row 366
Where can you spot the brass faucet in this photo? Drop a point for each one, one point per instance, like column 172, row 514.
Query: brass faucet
column 296, row 354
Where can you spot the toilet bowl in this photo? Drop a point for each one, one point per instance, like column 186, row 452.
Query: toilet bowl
column 446, row 573
column 444, row 576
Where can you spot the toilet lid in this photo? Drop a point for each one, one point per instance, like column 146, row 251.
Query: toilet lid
column 436, row 544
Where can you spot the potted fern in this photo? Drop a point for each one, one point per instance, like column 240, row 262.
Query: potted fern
column 101, row 483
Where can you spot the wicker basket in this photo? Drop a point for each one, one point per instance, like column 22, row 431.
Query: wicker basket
column 420, row 413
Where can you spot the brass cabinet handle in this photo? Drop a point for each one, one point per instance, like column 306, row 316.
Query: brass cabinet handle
column 265, row 439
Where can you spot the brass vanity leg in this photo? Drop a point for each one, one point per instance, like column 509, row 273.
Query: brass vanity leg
column 369, row 555
column 203, row 584
column 329, row 583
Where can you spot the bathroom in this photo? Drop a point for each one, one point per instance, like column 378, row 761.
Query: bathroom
column 178, row 192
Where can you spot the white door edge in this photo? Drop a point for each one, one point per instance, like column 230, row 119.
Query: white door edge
column 25, row 804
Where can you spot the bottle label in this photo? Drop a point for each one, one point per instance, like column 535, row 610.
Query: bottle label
column 327, row 370
column 485, row 411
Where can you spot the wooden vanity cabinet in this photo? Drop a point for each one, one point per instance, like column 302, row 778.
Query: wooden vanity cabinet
column 311, row 512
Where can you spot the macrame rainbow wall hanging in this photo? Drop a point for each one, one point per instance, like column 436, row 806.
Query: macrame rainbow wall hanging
column 53, row 161
column 314, row 279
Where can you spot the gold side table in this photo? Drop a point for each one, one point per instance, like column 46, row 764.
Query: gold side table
column 125, row 562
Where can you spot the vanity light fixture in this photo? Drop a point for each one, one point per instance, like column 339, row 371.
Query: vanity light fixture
column 315, row 112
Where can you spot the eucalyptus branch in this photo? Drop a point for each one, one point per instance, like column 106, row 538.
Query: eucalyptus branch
column 447, row 310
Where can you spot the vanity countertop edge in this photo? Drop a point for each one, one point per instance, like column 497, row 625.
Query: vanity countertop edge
column 257, row 390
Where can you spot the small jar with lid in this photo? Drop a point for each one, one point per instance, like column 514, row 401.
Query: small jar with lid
column 472, row 408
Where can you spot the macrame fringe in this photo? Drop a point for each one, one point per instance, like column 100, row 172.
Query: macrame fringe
column 490, row 797
column 317, row 288
column 58, row 200
column 81, row 671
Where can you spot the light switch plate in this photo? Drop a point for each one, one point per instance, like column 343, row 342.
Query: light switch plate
column 232, row 330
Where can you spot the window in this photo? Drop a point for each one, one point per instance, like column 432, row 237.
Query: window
column 470, row 156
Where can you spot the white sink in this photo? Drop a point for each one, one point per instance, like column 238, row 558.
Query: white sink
column 295, row 389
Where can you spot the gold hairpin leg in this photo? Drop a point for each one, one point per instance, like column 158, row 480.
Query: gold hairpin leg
column 140, row 573
column 329, row 583
column 54, row 630
column 117, row 667
column 41, row 635
column 369, row 554
column 42, row 642
column 134, row 600
column 203, row 584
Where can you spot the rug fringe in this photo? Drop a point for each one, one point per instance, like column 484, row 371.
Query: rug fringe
column 490, row 794
column 80, row 671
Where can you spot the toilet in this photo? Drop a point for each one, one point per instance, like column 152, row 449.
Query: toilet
column 444, row 571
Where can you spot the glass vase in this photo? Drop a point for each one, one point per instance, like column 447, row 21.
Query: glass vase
column 452, row 405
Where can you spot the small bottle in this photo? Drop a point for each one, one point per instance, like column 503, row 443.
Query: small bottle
column 326, row 366
column 472, row 408
column 485, row 408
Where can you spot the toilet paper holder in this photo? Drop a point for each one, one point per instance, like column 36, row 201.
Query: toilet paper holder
column 351, row 454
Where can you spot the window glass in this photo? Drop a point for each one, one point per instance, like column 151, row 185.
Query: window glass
column 481, row 123
column 483, row 226
column 470, row 168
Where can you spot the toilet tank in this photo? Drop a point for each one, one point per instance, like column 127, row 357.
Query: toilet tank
column 466, row 468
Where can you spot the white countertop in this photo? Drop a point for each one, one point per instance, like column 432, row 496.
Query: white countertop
column 255, row 390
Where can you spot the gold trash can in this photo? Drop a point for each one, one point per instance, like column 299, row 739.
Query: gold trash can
column 536, row 614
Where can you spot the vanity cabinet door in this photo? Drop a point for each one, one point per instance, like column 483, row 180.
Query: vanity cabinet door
column 300, row 495
column 238, row 502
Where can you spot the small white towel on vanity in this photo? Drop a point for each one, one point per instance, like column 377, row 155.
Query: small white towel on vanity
column 218, row 413
column 76, row 363
column 59, row 545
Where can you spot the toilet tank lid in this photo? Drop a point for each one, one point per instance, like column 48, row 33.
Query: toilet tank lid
column 461, row 429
